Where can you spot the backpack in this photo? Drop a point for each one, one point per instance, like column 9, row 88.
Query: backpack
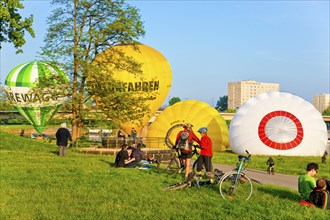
column 271, row 162
column 183, row 141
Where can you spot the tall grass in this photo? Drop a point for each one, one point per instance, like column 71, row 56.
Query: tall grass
column 37, row 184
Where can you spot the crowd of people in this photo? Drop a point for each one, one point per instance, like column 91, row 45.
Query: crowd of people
column 131, row 156
column 312, row 192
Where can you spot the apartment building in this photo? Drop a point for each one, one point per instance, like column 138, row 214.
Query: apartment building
column 239, row 92
column 321, row 102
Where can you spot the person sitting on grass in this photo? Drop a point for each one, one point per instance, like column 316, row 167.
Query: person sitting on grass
column 320, row 195
column 307, row 182
column 131, row 161
column 123, row 158
column 139, row 155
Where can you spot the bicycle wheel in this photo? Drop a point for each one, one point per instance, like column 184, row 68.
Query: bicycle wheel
column 255, row 181
column 177, row 186
column 235, row 187
column 173, row 167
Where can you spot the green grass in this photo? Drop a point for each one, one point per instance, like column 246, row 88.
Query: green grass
column 37, row 184
column 293, row 165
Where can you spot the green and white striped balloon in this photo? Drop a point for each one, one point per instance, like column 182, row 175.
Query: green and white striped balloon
column 37, row 106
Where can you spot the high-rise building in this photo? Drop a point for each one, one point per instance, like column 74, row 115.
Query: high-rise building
column 321, row 102
column 239, row 92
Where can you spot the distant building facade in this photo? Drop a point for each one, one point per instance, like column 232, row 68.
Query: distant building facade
column 321, row 102
column 239, row 92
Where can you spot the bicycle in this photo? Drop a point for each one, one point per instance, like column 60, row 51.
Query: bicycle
column 196, row 181
column 175, row 166
column 194, row 168
column 235, row 184
column 270, row 170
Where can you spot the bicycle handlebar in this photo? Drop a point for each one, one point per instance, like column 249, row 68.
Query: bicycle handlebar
column 245, row 158
column 194, row 145
column 197, row 146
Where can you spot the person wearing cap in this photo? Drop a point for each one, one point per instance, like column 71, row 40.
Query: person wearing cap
column 186, row 154
column 62, row 137
column 206, row 151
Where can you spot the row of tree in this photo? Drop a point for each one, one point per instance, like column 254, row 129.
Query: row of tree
column 221, row 106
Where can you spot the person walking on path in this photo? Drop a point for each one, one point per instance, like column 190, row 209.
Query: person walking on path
column 324, row 157
column 63, row 136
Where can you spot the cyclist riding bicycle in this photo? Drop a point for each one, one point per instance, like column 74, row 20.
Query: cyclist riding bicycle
column 184, row 141
column 270, row 162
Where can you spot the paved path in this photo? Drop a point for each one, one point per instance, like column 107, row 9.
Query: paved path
column 290, row 181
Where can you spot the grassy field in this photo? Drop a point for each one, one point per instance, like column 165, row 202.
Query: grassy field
column 37, row 184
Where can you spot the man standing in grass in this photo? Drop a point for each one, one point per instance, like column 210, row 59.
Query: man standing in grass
column 62, row 137
column 307, row 182
column 206, row 152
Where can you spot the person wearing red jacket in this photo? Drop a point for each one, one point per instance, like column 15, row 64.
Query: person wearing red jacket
column 206, row 151
column 186, row 151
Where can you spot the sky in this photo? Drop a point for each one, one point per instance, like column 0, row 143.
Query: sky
column 211, row 43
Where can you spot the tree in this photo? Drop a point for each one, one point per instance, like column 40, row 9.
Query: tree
column 231, row 110
column 326, row 112
column 174, row 100
column 222, row 104
column 12, row 25
column 4, row 102
column 80, row 30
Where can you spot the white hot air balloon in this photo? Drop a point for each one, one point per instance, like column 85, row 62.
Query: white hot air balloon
column 278, row 123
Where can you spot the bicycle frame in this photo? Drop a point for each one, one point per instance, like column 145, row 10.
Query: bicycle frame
column 194, row 182
column 240, row 166
column 235, row 184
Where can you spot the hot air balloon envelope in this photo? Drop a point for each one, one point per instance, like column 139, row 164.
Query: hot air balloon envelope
column 37, row 105
column 154, row 82
column 169, row 122
column 278, row 123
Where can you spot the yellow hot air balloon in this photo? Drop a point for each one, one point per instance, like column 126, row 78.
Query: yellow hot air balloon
column 154, row 82
column 197, row 113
